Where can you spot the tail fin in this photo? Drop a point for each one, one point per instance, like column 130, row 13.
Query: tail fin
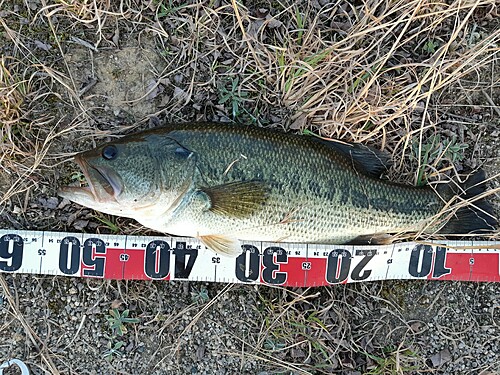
column 476, row 217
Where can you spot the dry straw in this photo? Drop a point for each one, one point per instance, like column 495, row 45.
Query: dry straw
column 375, row 73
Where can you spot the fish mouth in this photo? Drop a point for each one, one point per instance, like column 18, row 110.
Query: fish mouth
column 103, row 184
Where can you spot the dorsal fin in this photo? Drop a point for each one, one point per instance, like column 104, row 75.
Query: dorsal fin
column 366, row 159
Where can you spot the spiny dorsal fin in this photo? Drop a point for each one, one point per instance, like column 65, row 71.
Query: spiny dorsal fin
column 236, row 199
column 221, row 244
column 367, row 159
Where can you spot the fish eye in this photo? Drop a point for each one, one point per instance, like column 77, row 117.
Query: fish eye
column 109, row 152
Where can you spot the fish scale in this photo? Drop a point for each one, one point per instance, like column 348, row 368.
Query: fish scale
column 339, row 212
column 222, row 183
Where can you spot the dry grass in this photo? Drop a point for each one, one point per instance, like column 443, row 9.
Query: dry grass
column 373, row 73
column 394, row 74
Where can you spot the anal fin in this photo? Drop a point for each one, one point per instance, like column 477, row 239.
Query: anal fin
column 373, row 239
column 221, row 244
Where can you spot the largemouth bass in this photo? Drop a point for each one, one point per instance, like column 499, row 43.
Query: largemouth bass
column 223, row 183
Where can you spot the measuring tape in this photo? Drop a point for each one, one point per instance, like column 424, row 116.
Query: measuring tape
column 124, row 257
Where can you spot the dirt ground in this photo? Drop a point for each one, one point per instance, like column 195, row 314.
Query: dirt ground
column 419, row 79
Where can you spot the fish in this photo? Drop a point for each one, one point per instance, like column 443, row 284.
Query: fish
column 222, row 183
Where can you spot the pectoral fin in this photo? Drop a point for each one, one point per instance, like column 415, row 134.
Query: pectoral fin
column 222, row 245
column 236, row 199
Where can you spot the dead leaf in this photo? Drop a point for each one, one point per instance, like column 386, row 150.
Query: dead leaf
column 43, row 46
column 200, row 352
column 153, row 89
column 272, row 22
column 82, row 42
column 416, row 327
column 261, row 12
column 179, row 94
column 299, row 122
column 441, row 358
column 80, row 224
column 297, row 353
column 116, row 38
column 165, row 100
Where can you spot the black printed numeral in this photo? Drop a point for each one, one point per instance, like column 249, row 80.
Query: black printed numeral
column 273, row 257
column 92, row 248
column 338, row 266
column 69, row 255
column 11, row 252
column 157, row 260
column 248, row 271
column 428, row 260
column 359, row 272
column 183, row 269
